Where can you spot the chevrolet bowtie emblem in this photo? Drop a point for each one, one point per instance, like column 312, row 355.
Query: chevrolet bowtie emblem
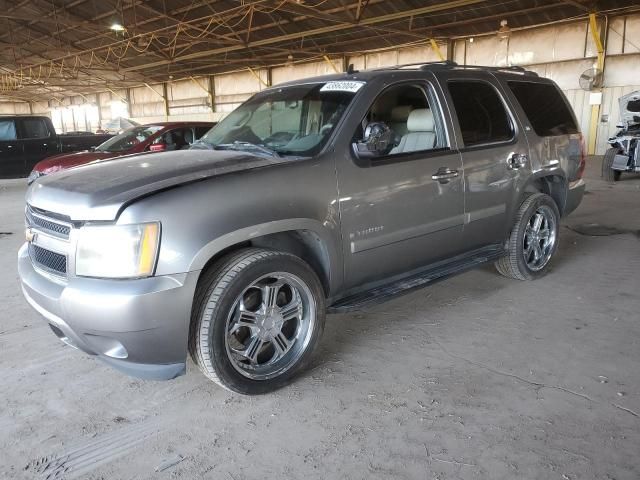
column 30, row 235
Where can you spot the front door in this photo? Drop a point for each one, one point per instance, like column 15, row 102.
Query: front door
column 402, row 210
column 494, row 153
column 11, row 158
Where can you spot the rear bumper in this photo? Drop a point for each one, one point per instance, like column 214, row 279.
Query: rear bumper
column 575, row 193
column 139, row 327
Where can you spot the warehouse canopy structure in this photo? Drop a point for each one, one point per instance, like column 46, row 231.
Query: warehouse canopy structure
column 54, row 48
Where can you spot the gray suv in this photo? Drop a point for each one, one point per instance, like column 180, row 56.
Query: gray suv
column 315, row 196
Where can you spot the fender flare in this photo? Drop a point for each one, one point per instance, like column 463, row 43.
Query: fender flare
column 223, row 242
column 558, row 193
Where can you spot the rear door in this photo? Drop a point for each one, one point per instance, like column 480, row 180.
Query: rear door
column 38, row 140
column 494, row 151
column 11, row 157
column 549, row 124
column 395, row 215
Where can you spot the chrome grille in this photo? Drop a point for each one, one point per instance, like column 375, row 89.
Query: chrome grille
column 59, row 229
column 52, row 262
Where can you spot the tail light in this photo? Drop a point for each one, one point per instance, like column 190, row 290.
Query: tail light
column 583, row 158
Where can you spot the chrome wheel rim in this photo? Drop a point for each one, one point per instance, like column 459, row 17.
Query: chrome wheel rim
column 270, row 326
column 539, row 238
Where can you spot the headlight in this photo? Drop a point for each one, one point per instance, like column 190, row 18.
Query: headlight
column 33, row 176
column 117, row 251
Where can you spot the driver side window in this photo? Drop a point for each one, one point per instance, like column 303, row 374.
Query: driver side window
column 406, row 111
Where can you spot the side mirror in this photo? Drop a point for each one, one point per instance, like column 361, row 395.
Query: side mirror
column 378, row 141
column 157, row 147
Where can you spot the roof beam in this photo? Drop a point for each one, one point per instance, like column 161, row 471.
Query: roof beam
column 310, row 33
column 579, row 5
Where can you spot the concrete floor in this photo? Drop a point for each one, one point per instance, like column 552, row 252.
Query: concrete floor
column 476, row 377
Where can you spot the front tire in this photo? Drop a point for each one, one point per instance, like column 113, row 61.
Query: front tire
column 533, row 240
column 608, row 173
column 258, row 316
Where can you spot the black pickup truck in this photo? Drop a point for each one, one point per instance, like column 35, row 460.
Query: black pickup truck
column 25, row 140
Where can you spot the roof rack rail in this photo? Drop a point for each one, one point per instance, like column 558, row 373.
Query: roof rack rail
column 421, row 65
column 443, row 63
column 508, row 69
column 452, row 64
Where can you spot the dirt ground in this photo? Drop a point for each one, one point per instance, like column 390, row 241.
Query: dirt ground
column 476, row 377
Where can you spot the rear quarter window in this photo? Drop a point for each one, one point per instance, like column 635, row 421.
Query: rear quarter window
column 545, row 107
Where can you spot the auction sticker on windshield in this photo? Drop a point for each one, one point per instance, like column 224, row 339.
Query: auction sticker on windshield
column 344, row 86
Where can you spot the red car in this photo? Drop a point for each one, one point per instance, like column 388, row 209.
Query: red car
column 156, row 137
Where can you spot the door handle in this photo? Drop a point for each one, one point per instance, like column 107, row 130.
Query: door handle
column 517, row 160
column 444, row 174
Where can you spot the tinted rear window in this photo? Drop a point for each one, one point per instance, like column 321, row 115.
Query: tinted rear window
column 545, row 108
column 481, row 113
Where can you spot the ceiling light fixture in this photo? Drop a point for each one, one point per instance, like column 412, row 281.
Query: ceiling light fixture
column 117, row 27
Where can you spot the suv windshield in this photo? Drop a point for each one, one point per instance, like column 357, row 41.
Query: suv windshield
column 284, row 121
column 128, row 139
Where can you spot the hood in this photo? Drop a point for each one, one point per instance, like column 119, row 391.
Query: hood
column 100, row 190
column 630, row 108
column 68, row 160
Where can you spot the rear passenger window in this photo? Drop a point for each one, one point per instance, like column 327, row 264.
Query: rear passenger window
column 7, row 130
column 34, row 128
column 481, row 113
column 545, row 108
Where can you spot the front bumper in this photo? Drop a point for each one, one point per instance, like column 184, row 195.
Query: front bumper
column 139, row 326
column 575, row 192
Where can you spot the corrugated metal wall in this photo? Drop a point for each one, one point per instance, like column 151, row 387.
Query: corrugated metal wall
column 22, row 108
column 561, row 52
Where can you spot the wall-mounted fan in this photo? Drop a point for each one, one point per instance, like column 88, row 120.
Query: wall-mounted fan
column 591, row 79
column 504, row 32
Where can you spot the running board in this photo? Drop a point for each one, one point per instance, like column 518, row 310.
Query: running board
column 407, row 284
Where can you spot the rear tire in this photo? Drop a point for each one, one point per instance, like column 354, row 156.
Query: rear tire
column 533, row 240
column 257, row 317
column 608, row 173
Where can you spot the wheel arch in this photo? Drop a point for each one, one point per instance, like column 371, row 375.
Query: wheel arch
column 554, row 185
column 305, row 238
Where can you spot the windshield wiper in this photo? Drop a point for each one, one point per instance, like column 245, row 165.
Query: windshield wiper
column 247, row 146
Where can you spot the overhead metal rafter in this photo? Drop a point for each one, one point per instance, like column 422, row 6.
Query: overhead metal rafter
column 72, row 40
column 312, row 32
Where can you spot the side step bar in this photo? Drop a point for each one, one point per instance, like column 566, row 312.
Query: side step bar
column 439, row 271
